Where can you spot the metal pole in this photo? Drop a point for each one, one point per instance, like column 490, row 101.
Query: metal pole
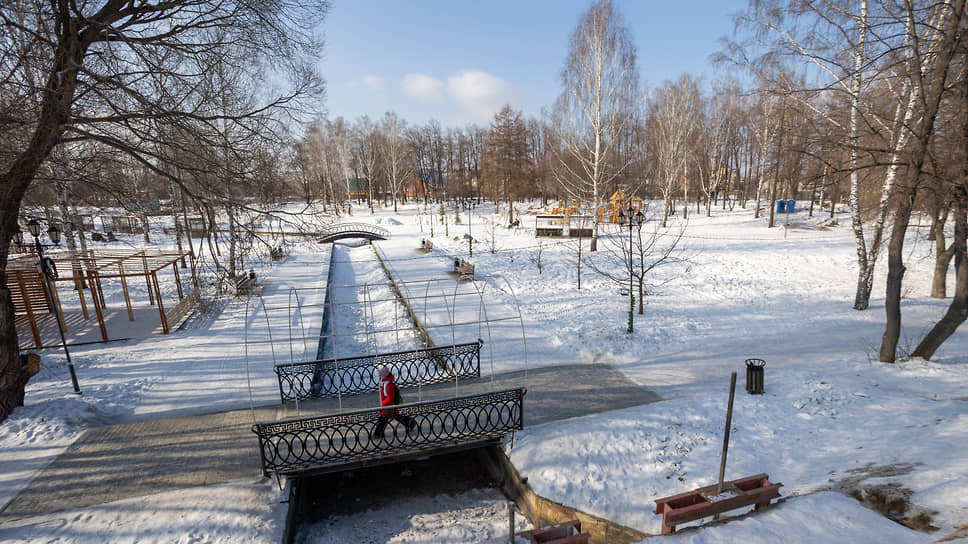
column 729, row 420
column 631, row 296
column 42, row 265
column 510, row 522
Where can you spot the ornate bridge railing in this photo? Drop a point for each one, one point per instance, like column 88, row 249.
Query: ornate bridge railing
column 355, row 375
column 327, row 443
column 352, row 230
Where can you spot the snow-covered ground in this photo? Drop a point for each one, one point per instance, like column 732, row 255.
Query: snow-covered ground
column 833, row 425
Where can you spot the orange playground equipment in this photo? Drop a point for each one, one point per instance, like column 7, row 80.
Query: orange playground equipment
column 562, row 210
column 618, row 203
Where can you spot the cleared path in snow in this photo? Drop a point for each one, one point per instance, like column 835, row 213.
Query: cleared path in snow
column 154, row 456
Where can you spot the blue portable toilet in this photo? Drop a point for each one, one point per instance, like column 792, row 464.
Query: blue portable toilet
column 780, row 206
column 791, row 205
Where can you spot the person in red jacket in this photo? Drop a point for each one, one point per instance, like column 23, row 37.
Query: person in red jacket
column 390, row 396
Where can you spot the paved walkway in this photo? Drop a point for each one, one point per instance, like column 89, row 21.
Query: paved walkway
column 154, row 456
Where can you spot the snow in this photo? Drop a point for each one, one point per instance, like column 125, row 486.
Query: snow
column 833, row 424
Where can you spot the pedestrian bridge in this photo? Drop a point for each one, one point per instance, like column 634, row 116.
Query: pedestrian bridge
column 329, row 378
column 339, row 231
column 331, row 443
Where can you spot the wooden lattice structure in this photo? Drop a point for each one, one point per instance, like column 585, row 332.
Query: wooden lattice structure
column 86, row 271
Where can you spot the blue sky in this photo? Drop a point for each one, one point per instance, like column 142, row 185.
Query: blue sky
column 458, row 61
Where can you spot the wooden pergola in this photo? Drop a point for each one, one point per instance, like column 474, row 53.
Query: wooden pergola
column 86, row 271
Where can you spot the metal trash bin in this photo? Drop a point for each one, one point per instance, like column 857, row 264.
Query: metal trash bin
column 754, row 376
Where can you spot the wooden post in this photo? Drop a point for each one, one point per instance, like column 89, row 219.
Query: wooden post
column 729, row 421
column 124, row 289
column 144, row 265
column 100, row 289
column 174, row 267
column 79, row 287
column 55, row 300
column 30, row 311
column 93, row 278
column 191, row 259
column 161, row 307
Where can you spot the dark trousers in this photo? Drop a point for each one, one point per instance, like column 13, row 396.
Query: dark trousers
column 381, row 425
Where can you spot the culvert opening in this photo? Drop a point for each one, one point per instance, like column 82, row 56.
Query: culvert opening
column 446, row 498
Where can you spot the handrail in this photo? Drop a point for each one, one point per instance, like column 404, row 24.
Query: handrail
column 364, row 229
column 324, row 443
column 356, row 375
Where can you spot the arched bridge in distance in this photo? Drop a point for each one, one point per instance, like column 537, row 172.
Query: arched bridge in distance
column 339, row 231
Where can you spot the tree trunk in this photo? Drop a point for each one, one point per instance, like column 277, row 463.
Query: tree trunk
column 958, row 310
column 942, row 255
column 931, row 103
column 895, row 277
column 55, row 110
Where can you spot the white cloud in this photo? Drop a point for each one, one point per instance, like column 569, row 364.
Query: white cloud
column 373, row 82
column 480, row 93
column 422, row 86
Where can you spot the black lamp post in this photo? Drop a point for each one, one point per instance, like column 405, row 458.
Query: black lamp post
column 633, row 219
column 49, row 272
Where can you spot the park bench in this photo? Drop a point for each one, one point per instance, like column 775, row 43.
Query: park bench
column 463, row 267
column 356, row 375
column 426, row 245
column 244, row 284
column 707, row 501
column 107, row 237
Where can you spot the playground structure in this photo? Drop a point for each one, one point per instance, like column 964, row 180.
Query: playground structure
column 560, row 209
column 570, row 223
column 606, row 213
column 618, row 203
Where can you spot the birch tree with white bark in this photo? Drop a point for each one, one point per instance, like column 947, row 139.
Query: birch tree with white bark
column 395, row 161
column 675, row 109
column 601, row 89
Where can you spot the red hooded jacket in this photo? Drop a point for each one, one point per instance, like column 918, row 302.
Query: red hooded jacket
column 388, row 395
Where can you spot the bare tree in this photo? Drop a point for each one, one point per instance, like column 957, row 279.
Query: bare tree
column 621, row 261
column 675, row 110
column 930, row 68
column 394, row 153
column 601, row 90
column 366, row 141
column 113, row 71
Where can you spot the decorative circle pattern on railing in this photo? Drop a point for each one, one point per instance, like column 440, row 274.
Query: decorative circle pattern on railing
column 352, row 230
column 355, row 375
column 321, row 443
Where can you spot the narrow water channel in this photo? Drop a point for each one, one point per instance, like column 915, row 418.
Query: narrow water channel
column 366, row 317
column 446, row 498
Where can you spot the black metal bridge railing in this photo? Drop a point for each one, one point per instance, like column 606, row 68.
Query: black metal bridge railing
column 353, row 230
column 355, row 375
column 327, row 443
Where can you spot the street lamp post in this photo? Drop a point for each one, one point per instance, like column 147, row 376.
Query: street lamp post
column 48, row 273
column 632, row 219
